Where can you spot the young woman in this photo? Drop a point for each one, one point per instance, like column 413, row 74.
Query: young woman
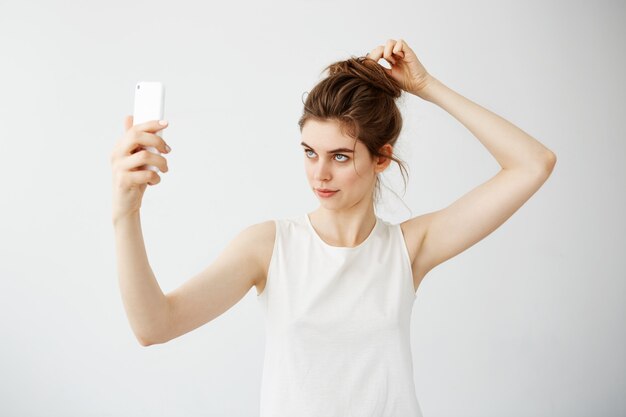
column 337, row 285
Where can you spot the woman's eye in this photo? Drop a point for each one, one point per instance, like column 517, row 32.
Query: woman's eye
column 345, row 158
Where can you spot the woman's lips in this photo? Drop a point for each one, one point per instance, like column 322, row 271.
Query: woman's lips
column 325, row 193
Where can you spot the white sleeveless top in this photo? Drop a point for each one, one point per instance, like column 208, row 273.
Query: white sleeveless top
column 338, row 325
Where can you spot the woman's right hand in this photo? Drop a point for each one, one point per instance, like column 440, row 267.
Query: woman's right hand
column 129, row 160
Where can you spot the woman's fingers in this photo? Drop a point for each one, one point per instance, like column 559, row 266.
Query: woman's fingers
column 381, row 51
column 144, row 157
column 137, row 139
column 143, row 134
column 133, row 178
column 388, row 51
column 151, row 126
column 392, row 51
column 376, row 53
column 399, row 48
column 130, row 159
column 128, row 122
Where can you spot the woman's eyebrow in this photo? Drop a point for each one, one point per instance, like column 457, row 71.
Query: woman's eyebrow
column 333, row 151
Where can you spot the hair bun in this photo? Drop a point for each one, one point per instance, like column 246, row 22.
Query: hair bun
column 368, row 70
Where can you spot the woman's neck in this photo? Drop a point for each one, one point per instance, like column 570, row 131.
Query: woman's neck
column 347, row 229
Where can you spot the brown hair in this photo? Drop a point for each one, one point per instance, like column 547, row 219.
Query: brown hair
column 361, row 96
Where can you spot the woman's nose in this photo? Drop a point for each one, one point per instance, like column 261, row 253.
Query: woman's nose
column 322, row 172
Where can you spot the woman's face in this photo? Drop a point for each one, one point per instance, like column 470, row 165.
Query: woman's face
column 338, row 162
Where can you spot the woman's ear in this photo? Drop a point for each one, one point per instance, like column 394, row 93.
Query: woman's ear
column 383, row 161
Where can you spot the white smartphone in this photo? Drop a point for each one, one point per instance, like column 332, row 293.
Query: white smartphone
column 149, row 105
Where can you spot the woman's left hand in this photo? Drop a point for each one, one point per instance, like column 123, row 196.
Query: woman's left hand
column 405, row 67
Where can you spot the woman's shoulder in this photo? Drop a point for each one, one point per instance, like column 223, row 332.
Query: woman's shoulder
column 264, row 232
column 261, row 233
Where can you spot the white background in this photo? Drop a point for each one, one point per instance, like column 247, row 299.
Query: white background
column 528, row 322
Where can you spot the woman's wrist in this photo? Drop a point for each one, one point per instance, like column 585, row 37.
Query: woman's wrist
column 428, row 89
column 122, row 217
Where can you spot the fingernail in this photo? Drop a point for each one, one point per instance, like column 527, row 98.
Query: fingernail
column 167, row 148
column 162, row 122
